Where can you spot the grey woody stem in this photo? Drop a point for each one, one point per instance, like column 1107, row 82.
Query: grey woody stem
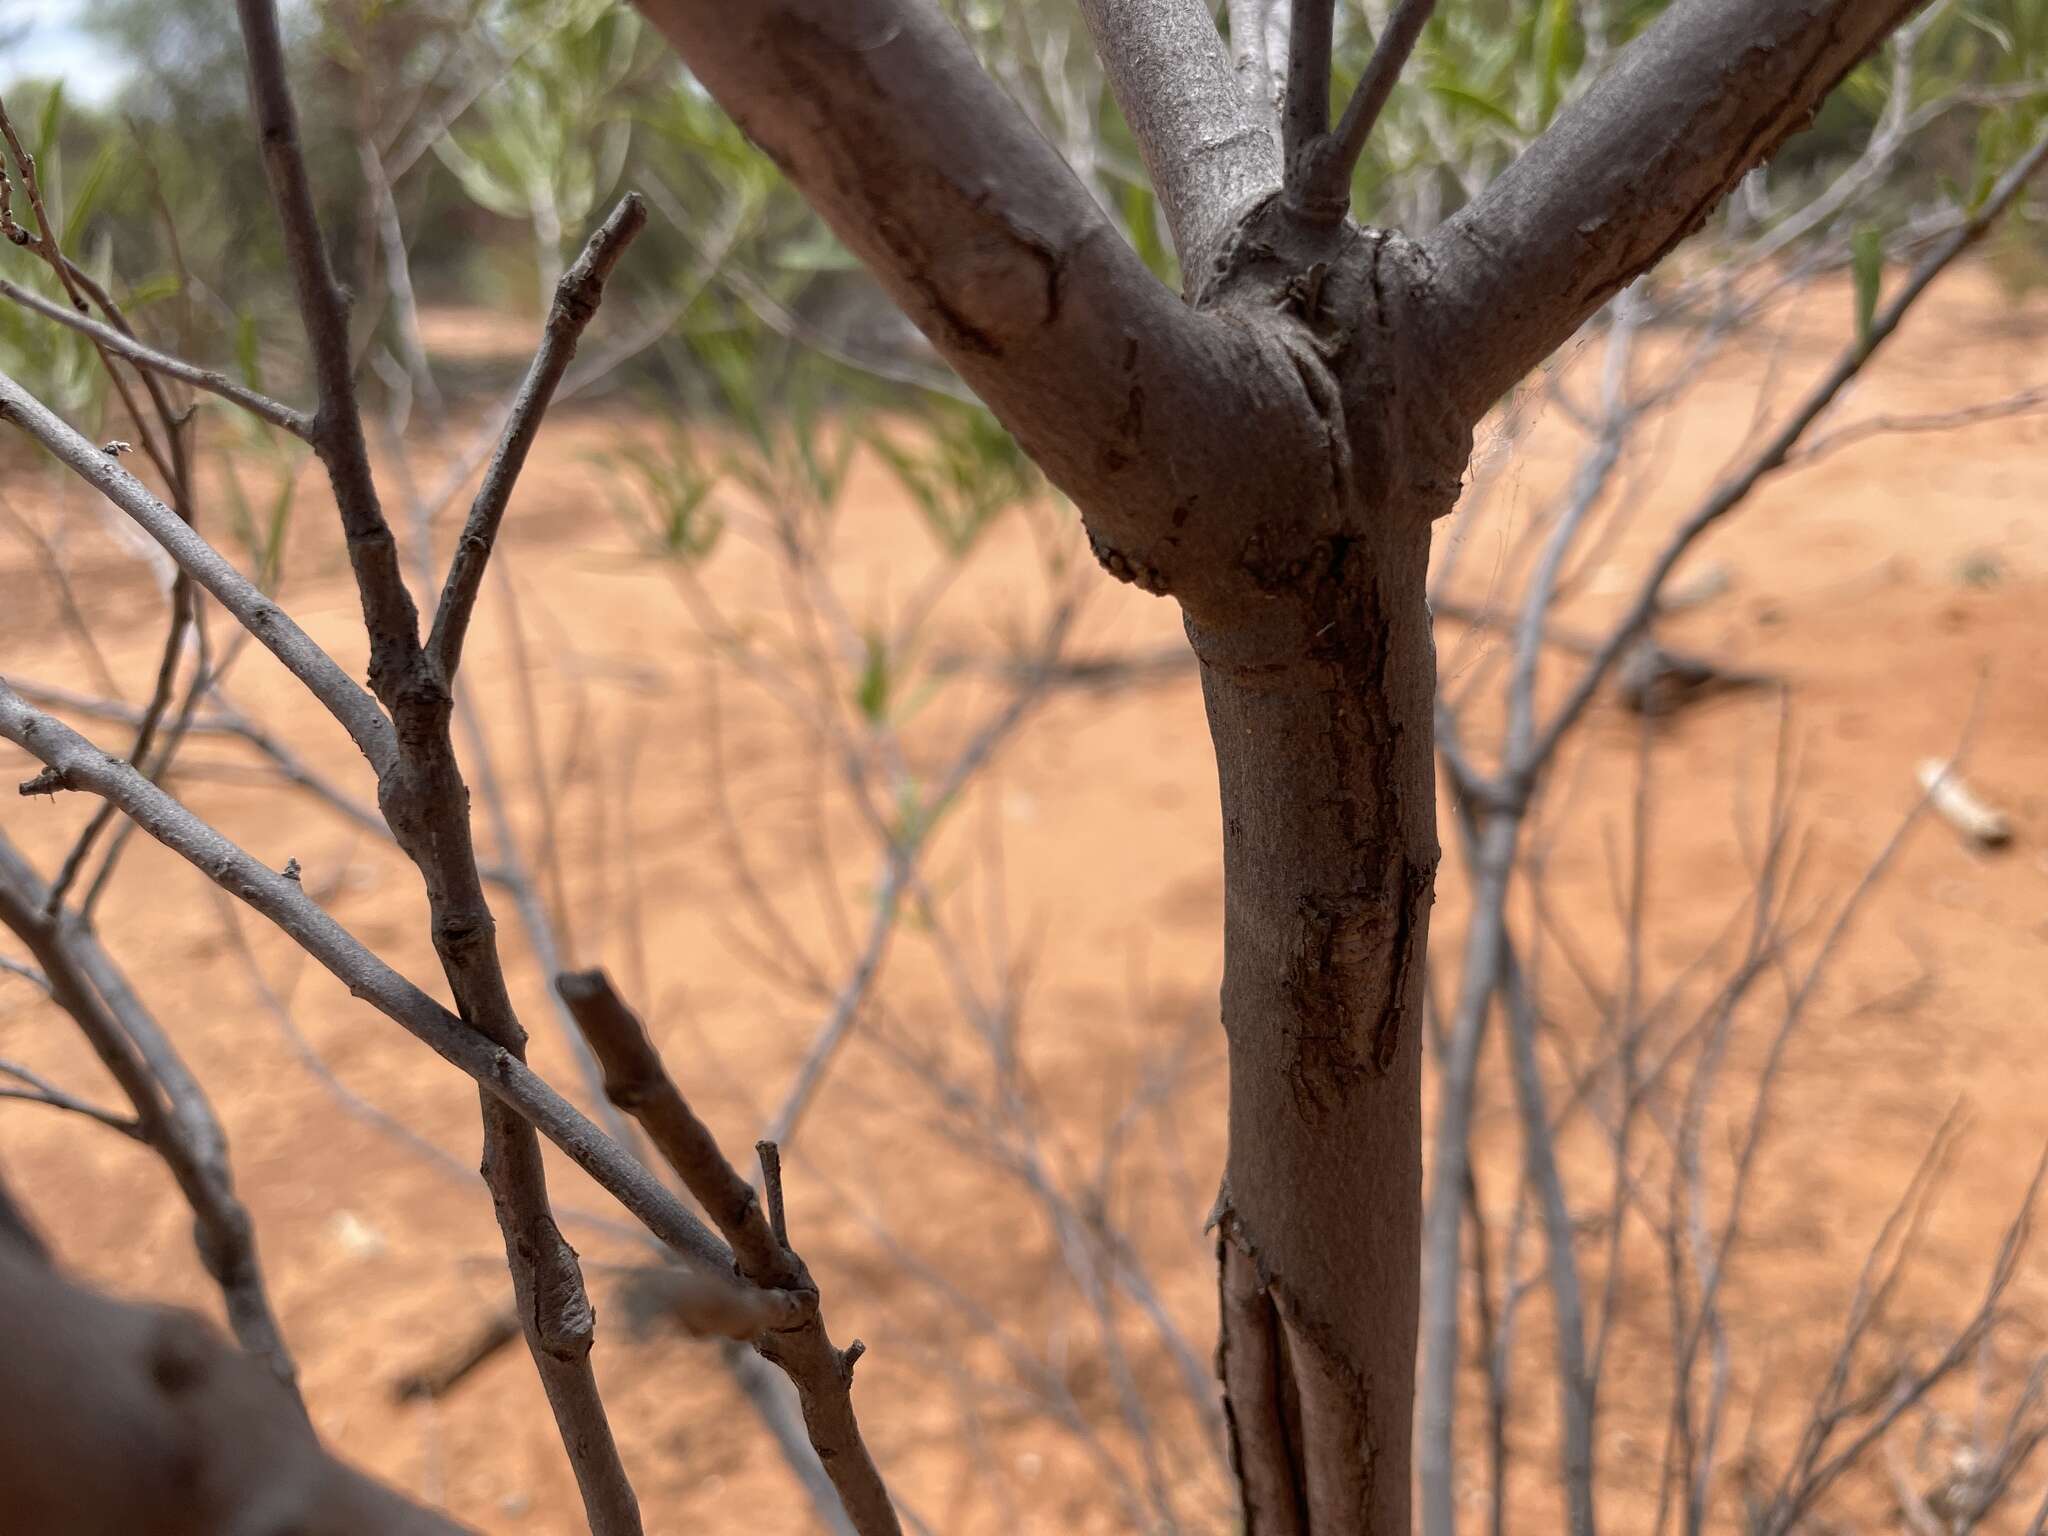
column 278, row 414
column 73, row 763
column 577, row 296
column 345, row 699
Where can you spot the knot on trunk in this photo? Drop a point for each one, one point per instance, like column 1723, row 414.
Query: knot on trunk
column 1144, row 577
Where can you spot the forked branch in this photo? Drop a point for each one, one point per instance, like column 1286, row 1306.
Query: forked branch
column 256, row 612
column 880, row 114
column 73, row 763
column 1324, row 185
column 173, row 1116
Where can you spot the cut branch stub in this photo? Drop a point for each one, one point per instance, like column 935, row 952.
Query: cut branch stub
column 638, row 1083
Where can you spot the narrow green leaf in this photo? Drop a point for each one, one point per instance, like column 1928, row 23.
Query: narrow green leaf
column 47, row 122
column 1140, row 212
column 873, row 693
column 1458, row 96
column 280, row 521
column 248, row 352
column 1557, row 34
column 816, row 251
column 1866, row 255
column 153, row 290
column 88, row 192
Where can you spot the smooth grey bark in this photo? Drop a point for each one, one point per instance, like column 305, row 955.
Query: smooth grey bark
column 1271, row 450
column 273, row 628
column 878, row 112
column 1330, row 856
column 1209, row 148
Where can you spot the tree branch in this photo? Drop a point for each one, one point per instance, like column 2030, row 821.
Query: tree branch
column 577, row 296
column 1774, row 453
column 1629, row 170
column 879, row 113
column 140, row 1420
column 75, row 764
column 302, row 657
column 172, row 1113
column 36, row 1089
column 1248, row 58
column 1207, row 145
column 1326, row 179
column 278, row 414
column 388, row 612
column 426, row 803
column 636, row 1081
column 1305, row 114
column 17, row 1229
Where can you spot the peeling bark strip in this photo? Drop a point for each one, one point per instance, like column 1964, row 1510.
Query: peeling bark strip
column 1272, row 453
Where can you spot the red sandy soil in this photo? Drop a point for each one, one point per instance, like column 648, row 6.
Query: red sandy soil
column 1848, row 580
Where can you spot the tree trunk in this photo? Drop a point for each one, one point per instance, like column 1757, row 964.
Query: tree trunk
column 1320, row 714
column 1271, row 453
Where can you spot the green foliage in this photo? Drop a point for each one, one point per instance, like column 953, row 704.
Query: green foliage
column 1866, row 256
column 872, row 693
column 547, row 144
column 667, row 496
column 962, row 471
column 259, row 529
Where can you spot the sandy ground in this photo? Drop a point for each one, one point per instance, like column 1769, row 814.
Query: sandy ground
column 1881, row 584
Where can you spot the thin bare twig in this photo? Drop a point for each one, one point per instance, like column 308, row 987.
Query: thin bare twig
column 301, row 655
column 37, row 1089
column 1773, row 455
column 388, row 612
column 172, row 1113
column 278, row 414
column 577, row 296
column 2020, row 403
column 74, row 763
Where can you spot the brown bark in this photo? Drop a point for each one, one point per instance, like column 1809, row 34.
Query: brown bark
column 1321, row 726
column 142, row 1421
